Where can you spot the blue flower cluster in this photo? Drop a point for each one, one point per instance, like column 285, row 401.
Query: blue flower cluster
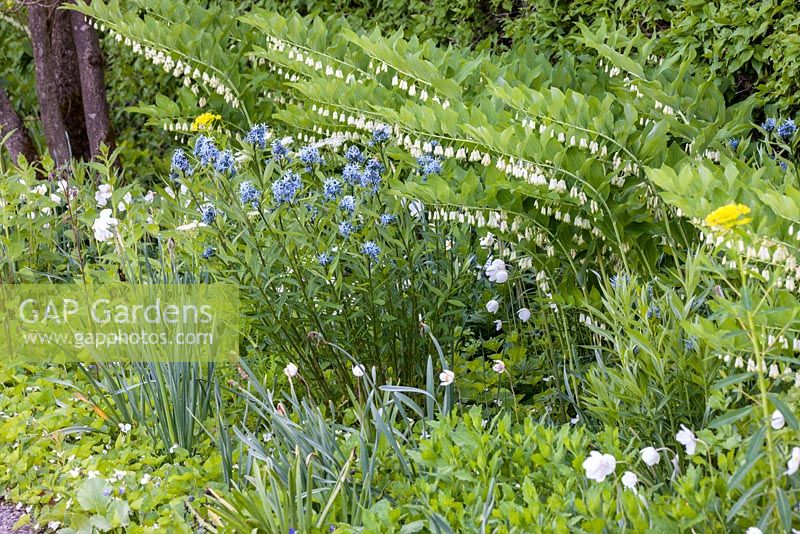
column 331, row 188
column 733, row 143
column 205, row 149
column 285, row 189
column 371, row 250
column 279, row 151
column 427, row 165
column 654, row 312
column 387, row 219
column 310, row 156
column 248, row 194
column 372, row 174
column 353, row 154
column 787, row 129
column 324, row 258
column 181, row 163
column 352, row 174
column 258, row 135
column 345, row 229
column 208, row 252
column 225, row 163
column 208, row 214
column 380, row 134
column 348, row 204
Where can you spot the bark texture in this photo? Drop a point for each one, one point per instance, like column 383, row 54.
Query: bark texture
column 68, row 81
column 20, row 143
column 47, row 90
column 93, row 88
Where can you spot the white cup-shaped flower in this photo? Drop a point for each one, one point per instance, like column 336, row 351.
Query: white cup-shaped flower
column 753, row 530
column 524, row 314
column 794, row 462
column 359, row 370
column 687, row 438
column 104, row 226
column 290, row 370
column 778, row 421
column 598, row 466
column 650, row 456
column 496, row 271
column 498, row 325
column 492, row 306
column 629, row 480
column 416, row 208
column 498, row 366
column 103, row 194
column 447, row 377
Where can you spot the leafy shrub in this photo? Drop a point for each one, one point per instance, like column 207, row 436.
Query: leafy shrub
column 320, row 242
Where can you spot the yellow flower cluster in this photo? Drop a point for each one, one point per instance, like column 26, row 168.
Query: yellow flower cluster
column 729, row 216
column 204, row 121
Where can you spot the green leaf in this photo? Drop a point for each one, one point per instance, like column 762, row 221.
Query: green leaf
column 416, row 526
column 91, row 495
column 746, row 496
column 784, row 510
column 729, row 381
column 731, row 417
column 754, row 453
column 791, row 420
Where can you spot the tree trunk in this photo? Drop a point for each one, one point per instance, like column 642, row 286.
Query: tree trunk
column 93, row 88
column 69, row 83
column 47, row 90
column 20, row 143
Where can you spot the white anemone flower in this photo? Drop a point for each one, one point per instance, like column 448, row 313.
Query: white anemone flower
column 492, row 306
column 524, row 314
column 496, row 271
column 359, row 370
column 499, row 366
column 598, row 466
column 447, row 377
column 290, row 370
column 650, row 456
column 687, row 438
column 629, row 480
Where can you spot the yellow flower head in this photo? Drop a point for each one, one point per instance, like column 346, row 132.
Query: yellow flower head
column 204, row 121
column 729, row 216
